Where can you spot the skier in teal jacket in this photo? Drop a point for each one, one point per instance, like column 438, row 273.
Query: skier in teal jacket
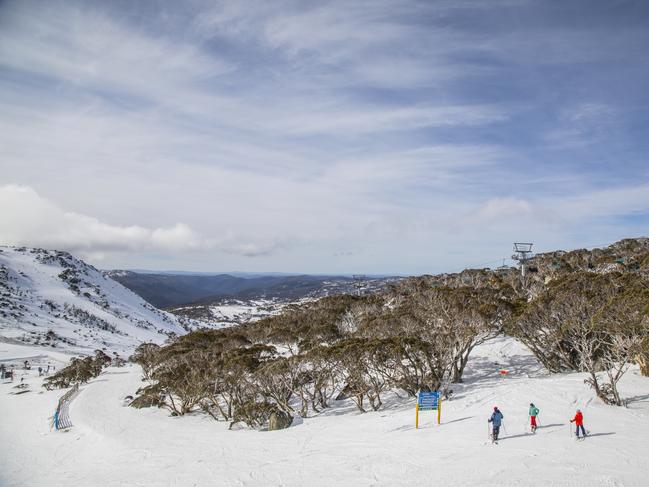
column 534, row 412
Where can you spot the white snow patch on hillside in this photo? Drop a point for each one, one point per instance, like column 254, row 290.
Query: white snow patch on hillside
column 229, row 312
column 112, row 445
column 237, row 311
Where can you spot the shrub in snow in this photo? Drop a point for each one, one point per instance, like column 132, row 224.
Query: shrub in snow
column 79, row 370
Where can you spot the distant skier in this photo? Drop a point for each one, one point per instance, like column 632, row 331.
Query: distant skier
column 579, row 422
column 495, row 420
column 534, row 412
column 40, row 371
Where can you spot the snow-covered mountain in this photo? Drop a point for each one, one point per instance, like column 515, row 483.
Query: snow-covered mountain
column 52, row 299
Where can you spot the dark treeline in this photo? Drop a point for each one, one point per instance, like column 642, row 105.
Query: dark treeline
column 581, row 311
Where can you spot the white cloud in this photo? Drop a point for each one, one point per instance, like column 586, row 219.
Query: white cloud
column 609, row 203
column 499, row 208
column 380, row 44
column 31, row 220
column 90, row 50
column 347, row 122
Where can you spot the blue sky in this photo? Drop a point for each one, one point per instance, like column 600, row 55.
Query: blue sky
column 352, row 136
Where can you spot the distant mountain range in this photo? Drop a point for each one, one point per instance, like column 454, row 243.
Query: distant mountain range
column 166, row 290
column 230, row 273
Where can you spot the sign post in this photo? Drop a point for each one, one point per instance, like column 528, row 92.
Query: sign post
column 428, row 401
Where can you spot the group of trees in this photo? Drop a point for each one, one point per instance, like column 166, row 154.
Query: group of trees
column 577, row 311
column 337, row 347
column 594, row 323
column 79, row 370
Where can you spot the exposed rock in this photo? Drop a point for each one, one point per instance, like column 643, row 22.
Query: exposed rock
column 279, row 420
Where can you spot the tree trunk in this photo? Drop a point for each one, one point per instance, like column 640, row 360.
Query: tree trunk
column 642, row 359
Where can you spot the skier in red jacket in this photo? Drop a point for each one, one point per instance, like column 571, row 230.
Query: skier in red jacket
column 579, row 422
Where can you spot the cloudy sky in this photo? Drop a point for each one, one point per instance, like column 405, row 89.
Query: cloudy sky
column 344, row 136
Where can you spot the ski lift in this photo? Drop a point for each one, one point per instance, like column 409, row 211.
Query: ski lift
column 522, row 247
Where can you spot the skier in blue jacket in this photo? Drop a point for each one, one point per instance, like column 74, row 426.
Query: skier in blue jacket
column 496, row 420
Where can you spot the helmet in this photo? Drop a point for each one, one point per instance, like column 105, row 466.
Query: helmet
column 532, row 404
column 495, row 408
column 579, row 410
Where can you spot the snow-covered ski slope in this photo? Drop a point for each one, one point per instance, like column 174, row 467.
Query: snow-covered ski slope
column 47, row 290
column 112, row 445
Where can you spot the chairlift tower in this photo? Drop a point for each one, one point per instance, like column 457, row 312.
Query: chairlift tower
column 359, row 281
column 523, row 253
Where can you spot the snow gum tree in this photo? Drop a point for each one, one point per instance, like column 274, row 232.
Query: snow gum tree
column 467, row 317
column 78, row 371
column 452, row 321
column 595, row 323
column 146, row 356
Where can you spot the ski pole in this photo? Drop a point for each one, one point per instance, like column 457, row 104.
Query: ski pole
column 505, row 429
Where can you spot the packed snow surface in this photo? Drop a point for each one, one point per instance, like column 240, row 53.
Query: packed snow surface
column 238, row 312
column 228, row 312
column 113, row 445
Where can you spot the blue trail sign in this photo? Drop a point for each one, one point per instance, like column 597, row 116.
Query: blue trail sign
column 428, row 401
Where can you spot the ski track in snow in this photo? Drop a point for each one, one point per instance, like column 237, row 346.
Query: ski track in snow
column 112, row 445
